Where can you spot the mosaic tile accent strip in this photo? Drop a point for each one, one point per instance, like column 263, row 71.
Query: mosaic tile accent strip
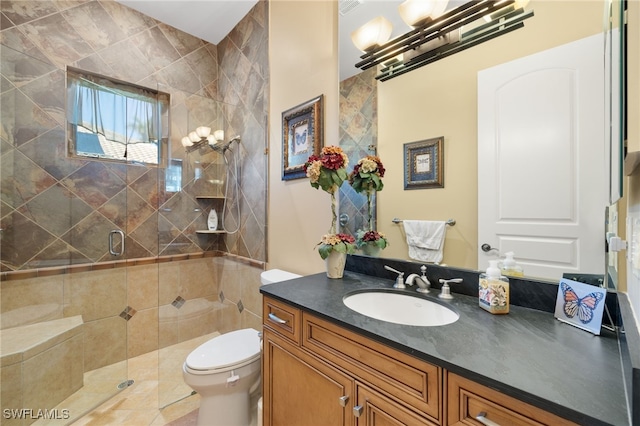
column 240, row 306
column 221, row 295
column 128, row 313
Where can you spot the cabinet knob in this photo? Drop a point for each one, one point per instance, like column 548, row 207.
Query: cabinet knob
column 482, row 418
column 357, row 410
column 343, row 400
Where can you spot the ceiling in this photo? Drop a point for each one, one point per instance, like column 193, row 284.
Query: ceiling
column 212, row 20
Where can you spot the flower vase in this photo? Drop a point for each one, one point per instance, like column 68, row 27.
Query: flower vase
column 369, row 249
column 335, row 264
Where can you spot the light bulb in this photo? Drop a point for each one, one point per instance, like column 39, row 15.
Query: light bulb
column 186, row 142
column 374, row 33
column 203, row 131
column 211, row 140
column 194, row 137
column 219, row 135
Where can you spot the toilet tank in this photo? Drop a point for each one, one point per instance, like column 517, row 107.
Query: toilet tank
column 276, row 275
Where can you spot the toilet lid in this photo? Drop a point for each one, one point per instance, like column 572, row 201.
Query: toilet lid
column 225, row 350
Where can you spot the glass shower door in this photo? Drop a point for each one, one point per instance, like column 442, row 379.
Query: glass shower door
column 64, row 298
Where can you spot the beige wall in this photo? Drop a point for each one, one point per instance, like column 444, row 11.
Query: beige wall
column 632, row 184
column 303, row 64
column 440, row 100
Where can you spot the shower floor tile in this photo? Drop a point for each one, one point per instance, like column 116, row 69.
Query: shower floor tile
column 157, row 397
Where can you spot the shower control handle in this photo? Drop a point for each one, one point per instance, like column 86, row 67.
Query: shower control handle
column 112, row 251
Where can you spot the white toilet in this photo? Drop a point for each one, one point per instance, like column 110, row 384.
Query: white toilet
column 226, row 369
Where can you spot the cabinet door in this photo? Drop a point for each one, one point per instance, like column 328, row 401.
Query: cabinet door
column 301, row 390
column 374, row 409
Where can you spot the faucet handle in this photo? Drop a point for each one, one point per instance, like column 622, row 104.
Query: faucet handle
column 399, row 280
column 445, row 292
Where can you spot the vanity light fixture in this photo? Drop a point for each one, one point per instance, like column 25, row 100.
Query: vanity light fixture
column 438, row 37
column 200, row 137
column 418, row 12
column 373, row 34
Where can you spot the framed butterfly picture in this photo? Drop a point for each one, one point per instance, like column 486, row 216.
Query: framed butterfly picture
column 580, row 305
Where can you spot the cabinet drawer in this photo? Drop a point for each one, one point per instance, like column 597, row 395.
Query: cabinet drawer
column 467, row 400
column 281, row 318
column 410, row 381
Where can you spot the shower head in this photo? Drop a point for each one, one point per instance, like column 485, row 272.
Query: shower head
column 222, row 147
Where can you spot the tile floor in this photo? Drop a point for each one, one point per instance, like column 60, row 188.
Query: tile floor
column 157, row 397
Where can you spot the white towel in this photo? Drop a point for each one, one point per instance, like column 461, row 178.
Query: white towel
column 425, row 239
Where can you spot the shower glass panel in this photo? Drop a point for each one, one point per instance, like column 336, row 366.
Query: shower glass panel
column 64, row 296
column 190, row 305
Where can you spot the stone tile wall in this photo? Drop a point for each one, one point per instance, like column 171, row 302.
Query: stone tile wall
column 358, row 133
column 57, row 210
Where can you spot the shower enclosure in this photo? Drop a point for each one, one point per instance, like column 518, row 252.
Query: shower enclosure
column 102, row 261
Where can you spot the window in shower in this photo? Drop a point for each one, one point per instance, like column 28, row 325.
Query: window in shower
column 117, row 121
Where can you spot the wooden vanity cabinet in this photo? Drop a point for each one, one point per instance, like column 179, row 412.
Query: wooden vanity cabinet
column 467, row 400
column 316, row 373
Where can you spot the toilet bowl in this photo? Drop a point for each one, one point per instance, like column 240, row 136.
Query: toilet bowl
column 226, row 370
column 223, row 371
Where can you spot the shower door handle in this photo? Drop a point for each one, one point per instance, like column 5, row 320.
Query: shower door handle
column 111, row 249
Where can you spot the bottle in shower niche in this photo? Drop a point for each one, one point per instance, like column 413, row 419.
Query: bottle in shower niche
column 212, row 220
column 493, row 290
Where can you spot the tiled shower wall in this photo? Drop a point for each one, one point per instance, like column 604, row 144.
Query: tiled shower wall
column 358, row 138
column 56, row 210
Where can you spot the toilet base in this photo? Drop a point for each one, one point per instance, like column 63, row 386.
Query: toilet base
column 225, row 410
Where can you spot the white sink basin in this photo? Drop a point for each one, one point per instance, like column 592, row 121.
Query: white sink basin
column 400, row 308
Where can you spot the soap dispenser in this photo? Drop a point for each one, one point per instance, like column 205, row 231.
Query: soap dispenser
column 510, row 267
column 493, row 290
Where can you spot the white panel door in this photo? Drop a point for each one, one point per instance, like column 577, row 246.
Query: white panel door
column 542, row 186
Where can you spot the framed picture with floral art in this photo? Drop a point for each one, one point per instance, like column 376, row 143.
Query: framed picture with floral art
column 302, row 136
column 424, row 164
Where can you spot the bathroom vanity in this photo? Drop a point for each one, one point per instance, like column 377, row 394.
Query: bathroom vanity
column 324, row 364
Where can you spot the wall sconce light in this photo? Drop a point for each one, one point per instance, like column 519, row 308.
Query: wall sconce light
column 436, row 37
column 374, row 33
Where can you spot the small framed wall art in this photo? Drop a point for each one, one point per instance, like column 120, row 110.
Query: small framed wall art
column 301, row 136
column 424, row 164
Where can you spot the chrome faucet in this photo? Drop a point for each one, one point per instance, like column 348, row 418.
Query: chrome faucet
column 399, row 280
column 421, row 281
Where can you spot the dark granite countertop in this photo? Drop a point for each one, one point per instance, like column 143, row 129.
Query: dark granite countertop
column 527, row 354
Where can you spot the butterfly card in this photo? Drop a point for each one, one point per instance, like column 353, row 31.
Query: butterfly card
column 581, row 305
